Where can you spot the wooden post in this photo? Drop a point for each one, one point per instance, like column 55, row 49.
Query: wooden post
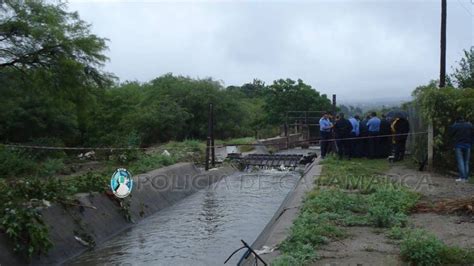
column 430, row 146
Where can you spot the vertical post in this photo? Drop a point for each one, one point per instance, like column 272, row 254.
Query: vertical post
column 442, row 70
column 286, row 135
column 213, row 149
column 430, row 146
column 334, row 104
column 209, row 136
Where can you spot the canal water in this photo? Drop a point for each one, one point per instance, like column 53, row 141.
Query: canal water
column 202, row 229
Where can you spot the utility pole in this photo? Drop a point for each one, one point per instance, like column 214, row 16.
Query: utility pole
column 442, row 70
column 334, row 105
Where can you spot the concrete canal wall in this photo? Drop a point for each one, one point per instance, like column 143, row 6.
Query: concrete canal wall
column 278, row 227
column 151, row 193
column 280, row 143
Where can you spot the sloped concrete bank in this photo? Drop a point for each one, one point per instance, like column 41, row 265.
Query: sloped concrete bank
column 278, row 227
column 104, row 218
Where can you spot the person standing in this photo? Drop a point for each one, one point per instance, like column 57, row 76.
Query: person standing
column 354, row 142
column 373, row 126
column 342, row 130
column 462, row 134
column 385, row 140
column 363, row 140
column 325, row 127
column 400, row 128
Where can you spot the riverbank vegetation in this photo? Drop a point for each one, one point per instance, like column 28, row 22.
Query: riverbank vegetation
column 357, row 193
column 56, row 94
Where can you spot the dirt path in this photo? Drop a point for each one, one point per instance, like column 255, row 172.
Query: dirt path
column 364, row 246
column 369, row 246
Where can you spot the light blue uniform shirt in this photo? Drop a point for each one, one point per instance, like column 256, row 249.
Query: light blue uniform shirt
column 325, row 125
column 374, row 124
column 355, row 126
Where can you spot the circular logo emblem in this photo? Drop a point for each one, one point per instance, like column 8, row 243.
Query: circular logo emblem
column 121, row 183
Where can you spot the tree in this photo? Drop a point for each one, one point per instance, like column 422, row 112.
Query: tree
column 41, row 35
column 464, row 75
column 50, row 71
column 288, row 95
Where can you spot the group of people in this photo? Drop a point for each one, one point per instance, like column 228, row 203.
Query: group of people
column 372, row 137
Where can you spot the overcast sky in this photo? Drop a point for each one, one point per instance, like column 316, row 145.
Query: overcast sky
column 356, row 49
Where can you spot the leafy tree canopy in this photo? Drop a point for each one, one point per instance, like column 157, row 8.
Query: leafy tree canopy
column 288, row 95
column 464, row 74
column 43, row 35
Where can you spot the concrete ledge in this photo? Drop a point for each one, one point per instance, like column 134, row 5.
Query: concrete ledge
column 152, row 192
column 279, row 226
column 280, row 143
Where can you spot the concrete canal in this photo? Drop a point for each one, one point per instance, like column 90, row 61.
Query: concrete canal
column 202, row 229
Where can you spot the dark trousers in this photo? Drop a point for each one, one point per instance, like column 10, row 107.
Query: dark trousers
column 354, row 143
column 399, row 148
column 324, row 142
column 385, row 147
column 363, row 145
column 373, row 144
column 343, row 146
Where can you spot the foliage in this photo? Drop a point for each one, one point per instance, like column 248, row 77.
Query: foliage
column 288, row 95
column 464, row 75
column 26, row 229
column 20, row 217
column 15, row 163
column 40, row 34
column 329, row 206
column 442, row 106
column 421, row 248
column 49, row 71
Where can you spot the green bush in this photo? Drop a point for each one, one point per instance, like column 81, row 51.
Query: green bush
column 381, row 216
column 14, row 163
column 398, row 200
column 50, row 167
column 421, row 248
column 457, row 256
column 396, row 233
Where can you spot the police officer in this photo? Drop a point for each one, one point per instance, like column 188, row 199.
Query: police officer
column 342, row 130
column 325, row 127
column 400, row 128
column 385, row 139
column 373, row 126
column 354, row 142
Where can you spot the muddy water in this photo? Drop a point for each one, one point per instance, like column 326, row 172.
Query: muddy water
column 202, row 229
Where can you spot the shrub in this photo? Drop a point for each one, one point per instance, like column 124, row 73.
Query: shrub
column 15, row 163
column 381, row 216
column 441, row 106
column 50, row 167
column 421, row 248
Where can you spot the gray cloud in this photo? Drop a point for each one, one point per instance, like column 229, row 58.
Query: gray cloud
column 355, row 49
